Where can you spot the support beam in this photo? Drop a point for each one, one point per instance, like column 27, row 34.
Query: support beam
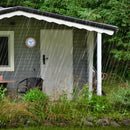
column 90, row 49
column 99, row 64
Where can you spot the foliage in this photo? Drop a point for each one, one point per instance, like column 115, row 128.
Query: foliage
column 121, row 45
column 83, row 99
column 12, row 112
column 2, row 92
column 114, row 12
column 35, row 95
column 70, row 112
column 88, row 102
column 26, row 3
column 120, row 98
column 33, row 106
column 39, row 102
column 99, row 104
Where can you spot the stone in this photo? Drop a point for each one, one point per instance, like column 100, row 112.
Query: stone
column 22, row 120
column 47, row 124
column 88, row 123
column 62, row 124
column 103, row 122
column 126, row 122
column 114, row 124
column 28, row 123
column 90, row 119
column 121, row 118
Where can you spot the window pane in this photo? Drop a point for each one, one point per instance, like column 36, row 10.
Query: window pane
column 3, row 50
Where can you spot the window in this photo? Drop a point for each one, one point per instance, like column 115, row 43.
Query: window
column 3, row 50
column 6, row 51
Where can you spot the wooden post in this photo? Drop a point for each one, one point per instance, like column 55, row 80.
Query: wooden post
column 99, row 63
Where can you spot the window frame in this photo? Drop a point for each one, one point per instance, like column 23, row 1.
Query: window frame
column 10, row 35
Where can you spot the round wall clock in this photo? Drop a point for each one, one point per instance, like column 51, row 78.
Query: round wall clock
column 30, row 42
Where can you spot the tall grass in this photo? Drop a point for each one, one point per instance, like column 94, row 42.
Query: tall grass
column 12, row 112
column 37, row 107
column 120, row 98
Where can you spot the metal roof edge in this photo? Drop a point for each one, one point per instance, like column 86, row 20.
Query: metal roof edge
column 61, row 17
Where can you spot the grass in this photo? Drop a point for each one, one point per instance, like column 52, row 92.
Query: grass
column 67, row 128
column 39, row 110
column 113, row 82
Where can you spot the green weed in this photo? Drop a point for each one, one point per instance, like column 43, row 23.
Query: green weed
column 36, row 107
column 2, row 92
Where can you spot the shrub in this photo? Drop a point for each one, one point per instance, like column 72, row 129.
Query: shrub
column 39, row 101
column 86, row 102
column 120, row 98
column 81, row 97
column 99, row 104
column 35, row 95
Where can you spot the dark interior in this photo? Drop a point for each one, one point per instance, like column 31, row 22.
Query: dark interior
column 3, row 50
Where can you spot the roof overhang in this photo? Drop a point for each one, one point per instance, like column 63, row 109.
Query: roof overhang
column 58, row 19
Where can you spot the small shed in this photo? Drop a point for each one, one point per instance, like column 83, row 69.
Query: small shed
column 54, row 47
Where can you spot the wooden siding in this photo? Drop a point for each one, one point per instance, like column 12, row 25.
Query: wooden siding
column 27, row 60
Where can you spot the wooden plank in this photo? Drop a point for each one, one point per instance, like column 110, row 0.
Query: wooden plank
column 7, row 81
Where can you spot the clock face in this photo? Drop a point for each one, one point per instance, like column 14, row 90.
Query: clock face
column 30, row 42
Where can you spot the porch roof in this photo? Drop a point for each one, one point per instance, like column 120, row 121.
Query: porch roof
column 59, row 19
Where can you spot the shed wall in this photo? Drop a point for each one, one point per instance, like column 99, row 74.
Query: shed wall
column 27, row 60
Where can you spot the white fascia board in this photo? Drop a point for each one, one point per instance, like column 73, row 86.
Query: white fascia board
column 58, row 21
